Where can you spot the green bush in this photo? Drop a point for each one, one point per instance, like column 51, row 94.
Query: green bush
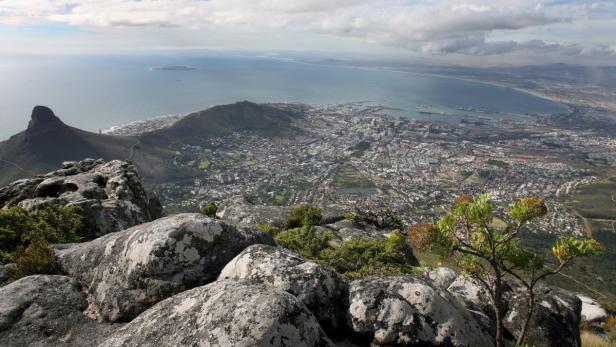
column 37, row 258
column 59, row 224
column 353, row 255
column 303, row 215
column 354, row 258
column 209, row 209
column 305, row 241
column 25, row 236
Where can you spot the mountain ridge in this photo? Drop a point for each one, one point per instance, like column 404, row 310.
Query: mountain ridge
column 48, row 141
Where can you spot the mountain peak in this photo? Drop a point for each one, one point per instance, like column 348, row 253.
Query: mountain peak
column 43, row 118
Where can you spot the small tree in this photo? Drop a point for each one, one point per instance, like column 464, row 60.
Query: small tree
column 489, row 254
column 209, row 209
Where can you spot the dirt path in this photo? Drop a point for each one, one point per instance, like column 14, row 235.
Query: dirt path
column 587, row 225
column 18, row 167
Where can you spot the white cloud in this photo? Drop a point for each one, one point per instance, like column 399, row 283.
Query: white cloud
column 429, row 26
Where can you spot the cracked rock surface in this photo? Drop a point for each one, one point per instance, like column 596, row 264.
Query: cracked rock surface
column 128, row 271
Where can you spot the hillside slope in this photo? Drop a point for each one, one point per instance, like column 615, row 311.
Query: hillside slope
column 196, row 128
column 47, row 142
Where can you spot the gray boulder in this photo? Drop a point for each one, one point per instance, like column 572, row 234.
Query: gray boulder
column 45, row 310
column 404, row 310
column 224, row 313
column 441, row 277
column 109, row 193
column 319, row 288
column 128, row 271
column 555, row 320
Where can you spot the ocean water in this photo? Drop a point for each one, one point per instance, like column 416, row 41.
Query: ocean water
column 97, row 92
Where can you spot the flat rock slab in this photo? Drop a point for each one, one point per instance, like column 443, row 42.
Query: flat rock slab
column 126, row 272
column 224, row 313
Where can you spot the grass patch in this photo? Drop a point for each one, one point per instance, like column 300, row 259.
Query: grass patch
column 593, row 340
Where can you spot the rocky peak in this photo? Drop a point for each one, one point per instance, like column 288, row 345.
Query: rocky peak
column 43, row 118
column 110, row 194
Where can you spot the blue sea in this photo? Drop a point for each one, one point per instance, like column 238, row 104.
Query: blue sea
column 97, row 92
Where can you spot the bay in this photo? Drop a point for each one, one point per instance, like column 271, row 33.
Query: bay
column 97, row 92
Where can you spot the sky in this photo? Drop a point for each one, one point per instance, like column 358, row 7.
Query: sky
column 455, row 31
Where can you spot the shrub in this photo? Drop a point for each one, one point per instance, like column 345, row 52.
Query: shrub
column 421, row 236
column 354, row 258
column 303, row 215
column 37, row 258
column 209, row 209
column 350, row 216
column 268, row 229
column 58, row 224
column 382, row 219
column 354, row 255
column 305, row 241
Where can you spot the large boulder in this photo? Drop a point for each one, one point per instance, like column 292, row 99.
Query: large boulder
column 128, row 271
column 224, row 313
column 319, row 288
column 46, row 310
column 110, row 194
column 404, row 310
column 555, row 320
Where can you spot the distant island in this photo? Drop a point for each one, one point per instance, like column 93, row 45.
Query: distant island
column 174, row 68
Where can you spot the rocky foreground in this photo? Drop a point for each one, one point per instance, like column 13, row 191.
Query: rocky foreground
column 191, row 280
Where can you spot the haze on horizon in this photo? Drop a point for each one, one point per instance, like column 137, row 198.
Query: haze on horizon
column 467, row 32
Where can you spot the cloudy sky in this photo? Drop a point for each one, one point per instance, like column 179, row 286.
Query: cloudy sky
column 494, row 31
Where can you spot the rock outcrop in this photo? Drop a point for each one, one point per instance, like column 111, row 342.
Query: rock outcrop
column 46, row 310
column 224, row 313
column 555, row 320
column 110, row 194
column 128, row 271
column 319, row 288
column 404, row 310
